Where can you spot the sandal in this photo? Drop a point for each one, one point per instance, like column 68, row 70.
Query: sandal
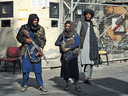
column 78, row 88
column 24, row 88
column 66, row 87
column 42, row 89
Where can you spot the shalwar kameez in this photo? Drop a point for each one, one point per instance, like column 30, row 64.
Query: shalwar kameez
column 89, row 45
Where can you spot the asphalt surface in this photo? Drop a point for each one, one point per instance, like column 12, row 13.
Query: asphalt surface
column 106, row 80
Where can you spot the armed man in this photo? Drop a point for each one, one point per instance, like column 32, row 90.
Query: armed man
column 32, row 37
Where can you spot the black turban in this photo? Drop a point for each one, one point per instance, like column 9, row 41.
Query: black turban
column 88, row 11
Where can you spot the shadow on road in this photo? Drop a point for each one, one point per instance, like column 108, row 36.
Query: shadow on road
column 112, row 84
column 99, row 87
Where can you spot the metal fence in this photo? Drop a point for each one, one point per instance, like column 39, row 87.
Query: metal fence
column 111, row 22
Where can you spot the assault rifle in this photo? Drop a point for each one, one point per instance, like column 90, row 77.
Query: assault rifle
column 63, row 49
column 35, row 46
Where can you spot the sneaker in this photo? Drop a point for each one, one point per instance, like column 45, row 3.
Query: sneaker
column 66, row 87
column 78, row 88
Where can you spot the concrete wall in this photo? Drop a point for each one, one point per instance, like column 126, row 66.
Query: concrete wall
column 8, row 34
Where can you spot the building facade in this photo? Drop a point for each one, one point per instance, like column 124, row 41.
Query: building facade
column 14, row 13
column 52, row 15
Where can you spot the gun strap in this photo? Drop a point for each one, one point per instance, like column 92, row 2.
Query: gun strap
column 31, row 59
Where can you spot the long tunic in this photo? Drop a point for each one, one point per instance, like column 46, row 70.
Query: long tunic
column 27, row 65
column 84, row 57
column 71, row 69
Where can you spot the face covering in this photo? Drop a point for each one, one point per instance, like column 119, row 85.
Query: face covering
column 30, row 23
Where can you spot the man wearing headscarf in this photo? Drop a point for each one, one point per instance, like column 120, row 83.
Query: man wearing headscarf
column 68, row 42
column 31, row 62
column 88, row 45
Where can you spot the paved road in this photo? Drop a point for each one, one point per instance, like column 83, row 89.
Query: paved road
column 106, row 80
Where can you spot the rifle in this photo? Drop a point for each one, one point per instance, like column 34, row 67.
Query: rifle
column 35, row 46
column 63, row 57
column 45, row 58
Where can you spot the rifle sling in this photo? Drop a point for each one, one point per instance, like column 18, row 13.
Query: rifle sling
column 31, row 59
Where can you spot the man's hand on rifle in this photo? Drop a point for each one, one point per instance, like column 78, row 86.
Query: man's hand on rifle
column 28, row 41
column 39, row 53
column 67, row 49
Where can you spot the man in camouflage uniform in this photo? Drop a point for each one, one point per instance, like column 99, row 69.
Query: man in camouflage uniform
column 31, row 62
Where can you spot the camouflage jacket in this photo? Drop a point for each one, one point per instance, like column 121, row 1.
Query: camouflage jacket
column 22, row 38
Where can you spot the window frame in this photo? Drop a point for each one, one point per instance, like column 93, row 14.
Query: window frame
column 9, row 23
column 54, row 21
column 11, row 9
column 52, row 4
